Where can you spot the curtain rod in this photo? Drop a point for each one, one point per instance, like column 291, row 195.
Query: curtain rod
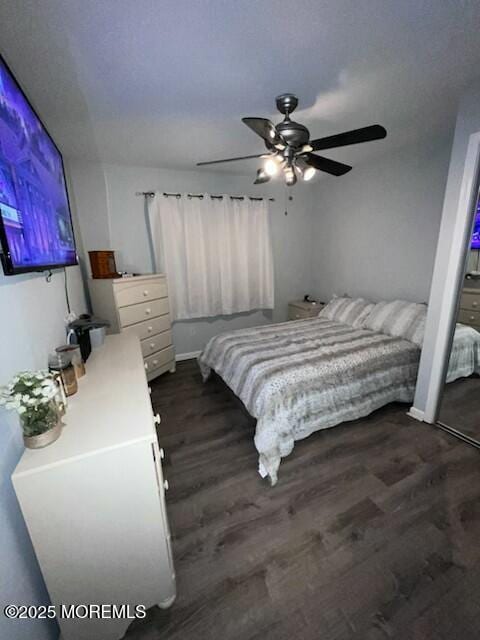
column 151, row 194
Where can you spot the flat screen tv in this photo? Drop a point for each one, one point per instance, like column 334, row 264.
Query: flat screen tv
column 476, row 229
column 36, row 231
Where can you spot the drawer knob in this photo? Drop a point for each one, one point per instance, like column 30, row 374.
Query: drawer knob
column 145, row 293
column 146, row 365
column 156, row 418
column 152, row 345
column 166, row 485
column 474, row 304
column 150, row 329
column 148, row 311
column 162, row 453
column 155, row 362
column 472, row 317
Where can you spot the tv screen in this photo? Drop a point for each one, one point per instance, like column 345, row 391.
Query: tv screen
column 35, row 222
column 476, row 229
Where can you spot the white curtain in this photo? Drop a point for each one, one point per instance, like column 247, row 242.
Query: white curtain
column 216, row 253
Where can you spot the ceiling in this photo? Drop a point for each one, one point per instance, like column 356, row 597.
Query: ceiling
column 165, row 83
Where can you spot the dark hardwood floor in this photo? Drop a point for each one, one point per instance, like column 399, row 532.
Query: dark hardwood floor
column 461, row 406
column 372, row 532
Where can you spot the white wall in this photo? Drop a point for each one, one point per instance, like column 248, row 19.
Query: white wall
column 104, row 197
column 429, row 383
column 32, row 323
column 375, row 229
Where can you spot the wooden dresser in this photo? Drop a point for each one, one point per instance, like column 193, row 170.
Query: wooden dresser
column 299, row 309
column 94, row 500
column 139, row 306
column 469, row 312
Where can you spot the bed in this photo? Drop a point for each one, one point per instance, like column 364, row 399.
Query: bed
column 302, row 376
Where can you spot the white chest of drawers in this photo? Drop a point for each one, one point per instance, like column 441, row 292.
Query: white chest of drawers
column 94, row 501
column 138, row 305
column 469, row 312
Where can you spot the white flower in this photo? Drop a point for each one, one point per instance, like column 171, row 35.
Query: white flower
column 21, row 410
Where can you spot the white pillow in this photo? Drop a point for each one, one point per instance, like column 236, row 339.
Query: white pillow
column 399, row 318
column 363, row 315
column 345, row 310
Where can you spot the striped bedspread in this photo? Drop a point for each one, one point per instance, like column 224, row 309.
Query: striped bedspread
column 298, row 377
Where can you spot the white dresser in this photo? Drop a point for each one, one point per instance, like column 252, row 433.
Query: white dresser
column 138, row 305
column 94, row 501
column 469, row 312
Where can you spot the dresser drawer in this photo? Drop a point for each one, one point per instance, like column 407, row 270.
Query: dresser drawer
column 470, row 301
column 156, row 343
column 297, row 313
column 149, row 328
column 294, row 313
column 159, row 359
column 469, row 317
column 139, row 312
column 127, row 293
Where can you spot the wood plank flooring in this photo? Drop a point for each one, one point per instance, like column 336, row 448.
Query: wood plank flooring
column 372, row 532
column 461, row 406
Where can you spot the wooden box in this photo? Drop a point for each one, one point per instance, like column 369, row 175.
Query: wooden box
column 102, row 264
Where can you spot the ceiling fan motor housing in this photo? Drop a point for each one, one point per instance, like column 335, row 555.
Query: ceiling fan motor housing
column 295, row 134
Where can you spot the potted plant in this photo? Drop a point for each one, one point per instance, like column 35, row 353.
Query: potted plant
column 34, row 396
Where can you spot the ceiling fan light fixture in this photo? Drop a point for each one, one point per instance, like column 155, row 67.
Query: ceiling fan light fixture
column 271, row 167
column 308, row 173
column 290, row 176
column 262, row 177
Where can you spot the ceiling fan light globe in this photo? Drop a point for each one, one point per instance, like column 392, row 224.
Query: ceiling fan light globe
column 262, row 177
column 309, row 173
column 290, row 176
column 270, row 167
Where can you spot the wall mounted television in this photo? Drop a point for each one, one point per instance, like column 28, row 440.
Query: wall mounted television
column 476, row 229
column 36, row 232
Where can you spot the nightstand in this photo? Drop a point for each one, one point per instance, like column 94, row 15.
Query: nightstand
column 299, row 309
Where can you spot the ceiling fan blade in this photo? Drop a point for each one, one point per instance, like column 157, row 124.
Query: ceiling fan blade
column 327, row 165
column 258, row 155
column 266, row 130
column 366, row 134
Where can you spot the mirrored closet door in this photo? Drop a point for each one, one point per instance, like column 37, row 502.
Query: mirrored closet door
column 460, row 406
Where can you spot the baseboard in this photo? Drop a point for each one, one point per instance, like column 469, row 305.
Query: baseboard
column 416, row 413
column 187, row 356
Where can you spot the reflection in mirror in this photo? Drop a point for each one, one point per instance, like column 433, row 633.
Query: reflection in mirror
column 460, row 408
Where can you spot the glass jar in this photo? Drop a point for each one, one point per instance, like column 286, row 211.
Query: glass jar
column 62, row 363
column 73, row 350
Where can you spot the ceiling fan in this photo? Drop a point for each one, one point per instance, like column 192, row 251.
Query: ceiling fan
column 290, row 149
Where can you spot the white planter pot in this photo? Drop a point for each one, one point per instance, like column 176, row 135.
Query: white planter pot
column 43, row 439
